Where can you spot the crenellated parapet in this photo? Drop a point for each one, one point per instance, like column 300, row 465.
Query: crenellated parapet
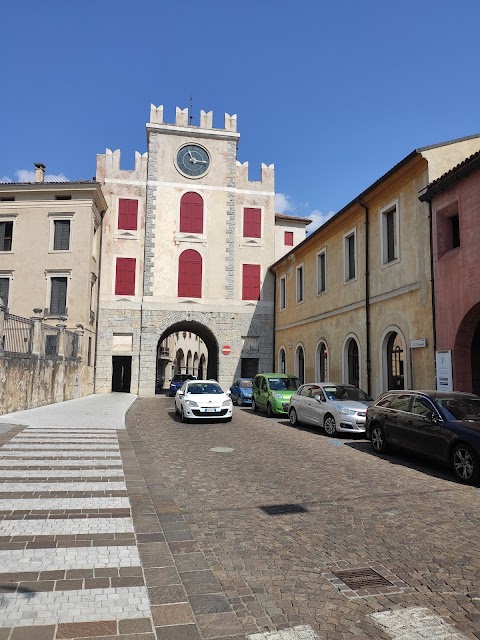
column 266, row 182
column 182, row 119
column 108, row 166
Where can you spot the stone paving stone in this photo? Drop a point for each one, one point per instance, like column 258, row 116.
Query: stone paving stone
column 172, row 614
column 61, row 473
column 66, row 526
column 67, row 464
column 70, row 630
column 416, row 622
column 181, row 632
column 24, row 487
column 39, row 633
column 43, row 504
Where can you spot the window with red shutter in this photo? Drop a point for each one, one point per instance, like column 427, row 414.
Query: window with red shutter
column 191, row 213
column 190, row 274
column 127, row 214
column 252, row 223
column 251, row 282
column 289, row 238
column 125, row 277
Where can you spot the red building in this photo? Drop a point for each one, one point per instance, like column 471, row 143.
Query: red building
column 455, row 215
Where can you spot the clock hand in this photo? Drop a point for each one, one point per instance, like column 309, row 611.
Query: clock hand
column 190, row 153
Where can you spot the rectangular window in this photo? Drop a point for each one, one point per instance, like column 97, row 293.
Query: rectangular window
column 127, row 214
column 251, row 282
column 6, row 232
column 283, row 292
column 4, row 290
column 455, row 228
column 51, row 345
column 350, row 267
column 252, row 223
column 389, row 233
column 63, row 197
column 288, row 238
column 322, row 272
column 58, row 296
column 7, row 199
column 125, row 277
column 300, row 284
column 61, row 238
column 89, row 352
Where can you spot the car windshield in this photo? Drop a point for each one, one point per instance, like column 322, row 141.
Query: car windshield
column 204, row 387
column 283, row 384
column 342, row 393
column 181, row 377
column 246, row 384
column 460, row 408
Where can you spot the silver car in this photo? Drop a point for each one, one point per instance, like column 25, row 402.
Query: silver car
column 334, row 407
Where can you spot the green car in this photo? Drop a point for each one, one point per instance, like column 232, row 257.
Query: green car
column 272, row 393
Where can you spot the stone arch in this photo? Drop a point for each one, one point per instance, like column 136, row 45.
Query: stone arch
column 393, row 359
column 352, row 370
column 466, row 353
column 282, row 360
column 321, row 361
column 300, row 363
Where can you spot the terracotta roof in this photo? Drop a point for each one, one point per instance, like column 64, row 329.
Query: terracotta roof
column 450, row 177
column 283, row 216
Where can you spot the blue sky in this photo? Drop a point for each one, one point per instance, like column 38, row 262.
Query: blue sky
column 334, row 93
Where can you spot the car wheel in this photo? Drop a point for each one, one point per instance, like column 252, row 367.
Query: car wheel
column 293, row 417
column 330, row 425
column 270, row 413
column 377, row 439
column 254, row 405
column 465, row 464
column 239, row 401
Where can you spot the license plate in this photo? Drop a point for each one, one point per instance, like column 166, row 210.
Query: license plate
column 209, row 410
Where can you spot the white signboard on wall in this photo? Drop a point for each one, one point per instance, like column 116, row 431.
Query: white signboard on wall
column 443, row 362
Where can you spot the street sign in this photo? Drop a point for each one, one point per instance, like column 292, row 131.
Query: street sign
column 226, row 350
column 415, row 344
column 443, row 362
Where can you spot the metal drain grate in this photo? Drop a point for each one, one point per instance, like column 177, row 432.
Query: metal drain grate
column 282, row 509
column 362, row 579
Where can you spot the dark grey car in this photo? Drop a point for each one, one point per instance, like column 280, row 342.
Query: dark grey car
column 440, row 424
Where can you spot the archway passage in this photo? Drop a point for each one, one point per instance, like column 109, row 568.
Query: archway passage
column 353, row 365
column 395, row 362
column 466, row 353
column 180, row 337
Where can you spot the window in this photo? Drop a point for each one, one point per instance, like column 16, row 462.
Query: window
column 63, row 197
column 7, row 199
column 51, row 344
column 389, row 234
column 421, row 406
column 125, row 277
column 455, row 229
column 89, row 352
column 282, row 361
column 251, row 282
column 127, row 214
column 322, row 271
column 191, row 213
column 300, row 364
column 288, row 238
column 190, row 274
column 322, row 362
column 58, row 295
column 400, row 403
column 350, row 258
column 61, row 236
column 252, row 223
column 300, row 284
column 6, row 232
column 283, row 292
column 448, row 229
column 4, row 290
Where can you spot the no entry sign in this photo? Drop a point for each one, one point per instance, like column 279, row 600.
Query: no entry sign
column 226, row 350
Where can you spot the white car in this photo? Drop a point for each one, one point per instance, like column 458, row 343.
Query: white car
column 334, row 407
column 203, row 399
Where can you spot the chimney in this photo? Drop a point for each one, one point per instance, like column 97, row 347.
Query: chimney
column 39, row 172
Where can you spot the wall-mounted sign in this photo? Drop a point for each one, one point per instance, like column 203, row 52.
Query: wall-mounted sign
column 416, row 344
column 444, row 373
column 226, row 350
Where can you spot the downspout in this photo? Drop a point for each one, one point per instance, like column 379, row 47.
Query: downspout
column 432, row 277
column 274, row 318
column 102, row 215
column 367, row 296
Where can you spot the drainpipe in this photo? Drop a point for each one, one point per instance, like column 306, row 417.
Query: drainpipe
column 102, row 215
column 274, row 319
column 367, row 296
column 432, row 277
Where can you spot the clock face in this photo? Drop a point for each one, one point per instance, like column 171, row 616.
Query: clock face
column 193, row 160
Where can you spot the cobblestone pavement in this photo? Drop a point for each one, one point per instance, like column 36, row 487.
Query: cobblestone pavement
column 260, row 521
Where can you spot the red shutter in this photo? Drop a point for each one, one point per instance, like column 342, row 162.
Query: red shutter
column 190, row 274
column 251, row 282
column 191, row 213
column 252, row 223
column 289, row 238
column 125, row 277
column 127, row 214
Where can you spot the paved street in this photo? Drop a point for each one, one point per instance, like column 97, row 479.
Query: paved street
column 171, row 531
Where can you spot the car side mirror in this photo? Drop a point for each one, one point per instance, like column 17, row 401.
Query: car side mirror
column 431, row 416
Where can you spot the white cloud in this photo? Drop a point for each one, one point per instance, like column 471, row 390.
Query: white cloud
column 26, row 175
column 283, row 203
column 4, row 179
column 318, row 218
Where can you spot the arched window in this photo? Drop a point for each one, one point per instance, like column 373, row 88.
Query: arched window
column 191, row 213
column 395, row 362
column 322, row 363
column 300, row 364
column 282, row 361
column 202, row 368
column 189, row 362
column 190, row 274
column 352, row 362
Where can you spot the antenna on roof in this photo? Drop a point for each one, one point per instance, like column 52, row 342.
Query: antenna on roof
column 190, row 118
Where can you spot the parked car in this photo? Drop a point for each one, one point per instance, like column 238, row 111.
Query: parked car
column 440, row 424
column 334, row 407
column 177, row 381
column 271, row 392
column 241, row 391
column 203, row 399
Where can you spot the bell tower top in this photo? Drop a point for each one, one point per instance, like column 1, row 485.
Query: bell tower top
column 183, row 127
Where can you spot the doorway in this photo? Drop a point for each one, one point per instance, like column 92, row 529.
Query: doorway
column 121, row 373
column 475, row 360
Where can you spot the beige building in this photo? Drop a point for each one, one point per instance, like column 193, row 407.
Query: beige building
column 354, row 300
column 189, row 239
column 50, row 236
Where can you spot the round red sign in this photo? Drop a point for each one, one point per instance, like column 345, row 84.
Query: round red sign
column 226, row 350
